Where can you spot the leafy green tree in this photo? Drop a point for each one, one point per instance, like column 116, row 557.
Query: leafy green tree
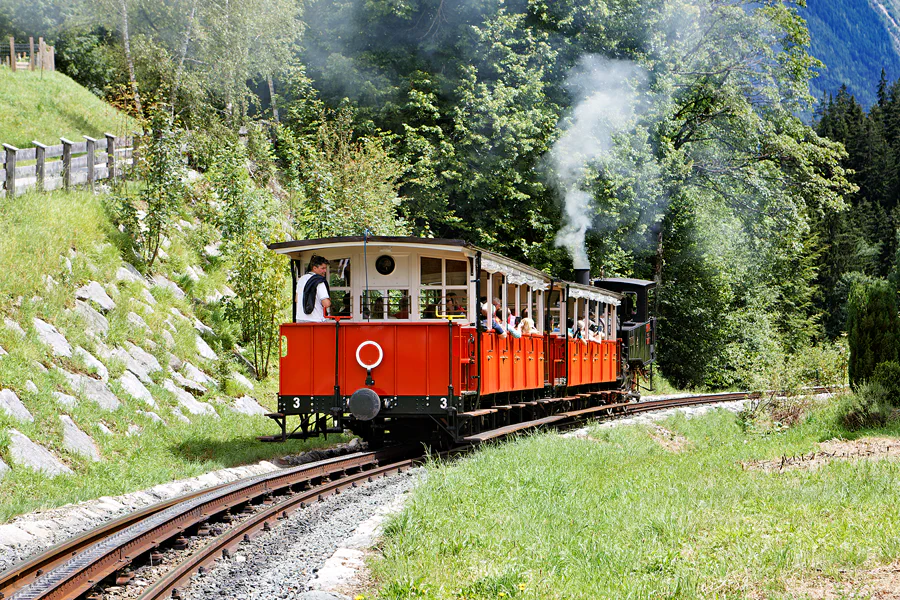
column 345, row 185
column 259, row 278
column 873, row 327
column 148, row 215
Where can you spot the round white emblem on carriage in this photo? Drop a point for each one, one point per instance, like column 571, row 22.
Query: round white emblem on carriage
column 377, row 362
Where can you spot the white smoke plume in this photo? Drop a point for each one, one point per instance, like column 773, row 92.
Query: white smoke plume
column 606, row 95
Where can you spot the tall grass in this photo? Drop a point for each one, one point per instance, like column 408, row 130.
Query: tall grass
column 621, row 517
column 47, row 106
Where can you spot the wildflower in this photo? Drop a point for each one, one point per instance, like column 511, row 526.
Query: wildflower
column 522, row 587
column 502, row 594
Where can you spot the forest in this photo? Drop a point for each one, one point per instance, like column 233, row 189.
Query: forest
column 660, row 139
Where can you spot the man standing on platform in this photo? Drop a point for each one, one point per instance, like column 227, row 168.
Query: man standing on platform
column 314, row 294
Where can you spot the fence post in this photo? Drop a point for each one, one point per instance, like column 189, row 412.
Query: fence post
column 12, row 54
column 41, row 52
column 40, row 156
column 111, row 156
column 135, row 150
column 91, row 158
column 67, row 163
column 52, row 58
column 10, row 168
column 30, row 53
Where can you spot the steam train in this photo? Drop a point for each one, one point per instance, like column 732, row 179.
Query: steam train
column 409, row 351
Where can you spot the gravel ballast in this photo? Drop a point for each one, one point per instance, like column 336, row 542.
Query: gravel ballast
column 283, row 563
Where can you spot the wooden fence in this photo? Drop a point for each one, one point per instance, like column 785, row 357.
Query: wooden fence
column 65, row 165
column 23, row 56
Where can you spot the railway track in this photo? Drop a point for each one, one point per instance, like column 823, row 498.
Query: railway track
column 105, row 556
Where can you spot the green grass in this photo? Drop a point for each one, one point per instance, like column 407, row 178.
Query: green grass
column 621, row 517
column 39, row 231
column 48, row 106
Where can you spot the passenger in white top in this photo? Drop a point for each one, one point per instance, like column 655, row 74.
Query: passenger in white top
column 312, row 303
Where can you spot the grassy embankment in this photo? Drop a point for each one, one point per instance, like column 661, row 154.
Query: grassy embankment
column 620, row 516
column 47, row 106
column 39, row 231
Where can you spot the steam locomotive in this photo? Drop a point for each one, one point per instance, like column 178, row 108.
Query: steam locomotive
column 409, row 351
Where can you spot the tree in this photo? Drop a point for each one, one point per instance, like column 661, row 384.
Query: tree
column 259, row 278
column 873, row 328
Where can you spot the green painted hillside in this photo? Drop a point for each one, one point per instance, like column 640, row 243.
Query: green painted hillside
column 47, row 106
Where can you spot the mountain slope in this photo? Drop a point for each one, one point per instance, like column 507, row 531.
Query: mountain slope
column 854, row 39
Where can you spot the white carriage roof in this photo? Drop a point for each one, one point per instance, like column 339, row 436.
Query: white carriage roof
column 517, row 273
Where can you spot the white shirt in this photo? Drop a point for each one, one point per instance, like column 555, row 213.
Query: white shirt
column 318, row 313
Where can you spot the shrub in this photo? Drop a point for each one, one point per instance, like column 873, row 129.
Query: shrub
column 887, row 375
column 869, row 406
column 872, row 327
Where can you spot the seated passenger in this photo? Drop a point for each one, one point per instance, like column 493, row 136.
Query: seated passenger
column 430, row 311
column 403, row 310
column 453, row 307
column 526, row 326
column 490, row 321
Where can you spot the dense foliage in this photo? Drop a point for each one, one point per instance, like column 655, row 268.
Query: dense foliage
column 873, row 327
column 493, row 121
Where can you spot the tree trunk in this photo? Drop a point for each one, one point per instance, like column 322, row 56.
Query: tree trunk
column 272, row 97
column 183, row 54
column 126, row 40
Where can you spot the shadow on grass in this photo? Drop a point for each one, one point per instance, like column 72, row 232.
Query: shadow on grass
column 244, row 450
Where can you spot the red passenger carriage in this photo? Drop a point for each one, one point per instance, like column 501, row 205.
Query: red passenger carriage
column 404, row 355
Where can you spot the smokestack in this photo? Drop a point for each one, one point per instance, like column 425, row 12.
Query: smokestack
column 583, row 276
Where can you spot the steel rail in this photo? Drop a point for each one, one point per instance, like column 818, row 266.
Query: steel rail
column 87, row 568
column 24, row 573
column 168, row 586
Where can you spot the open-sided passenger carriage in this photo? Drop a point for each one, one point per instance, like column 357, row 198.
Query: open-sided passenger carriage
column 404, row 354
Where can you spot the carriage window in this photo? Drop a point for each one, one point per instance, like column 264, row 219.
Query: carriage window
column 457, row 272
column 339, row 273
column 340, row 303
column 398, row 304
column 433, row 304
column 431, row 271
column 386, row 304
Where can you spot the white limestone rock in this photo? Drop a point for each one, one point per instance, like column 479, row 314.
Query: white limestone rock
column 162, row 254
column 162, row 281
column 188, row 402
column 195, row 374
column 131, row 364
column 175, row 363
column 104, row 429
column 152, row 416
column 77, row 441
column 93, row 390
column 190, row 385
column 204, row 350
column 147, row 360
column 14, row 327
column 213, row 250
column 133, row 430
column 41, row 368
column 94, row 292
column 137, row 322
column 4, row 469
column 129, row 273
column 26, row 453
column 89, row 360
column 97, row 324
column 170, row 325
column 249, row 406
column 148, row 297
column 176, row 412
column 191, row 274
column 31, row 387
column 178, row 314
column 242, row 381
column 168, row 338
column 11, row 405
column 3, row 352
column 134, row 388
column 66, row 400
column 51, row 337
column 203, row 329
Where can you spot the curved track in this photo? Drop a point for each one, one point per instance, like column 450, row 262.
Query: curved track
column 77, row 567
